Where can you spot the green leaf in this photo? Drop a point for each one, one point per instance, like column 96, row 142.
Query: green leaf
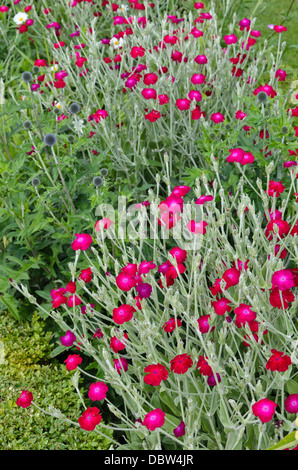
column 286, row 442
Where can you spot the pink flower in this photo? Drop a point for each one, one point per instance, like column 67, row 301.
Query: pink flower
column 122, row 314
column 217, row 117
column 120, row 365
column 213, row 380
column 171, row 324
column 104, row 223
column 198, row 79
column 149, row 94
column 179, row 254
column 264, row 409
column 68, row 339
column 183, row 104
column 244, row 314
column 291, row 403
column 137, row 52
column 97, row 391
column 82, row 241
column 25, row 399
column 163, row 99
column 280, row 29
column 72, row 361
column 230, row 39
column 240, row 115
column 203, row 322
column 73, row 301
column 197, row 227
column 221, row 306
column 201, row 59
column 116, row 344
column 154, row 419
column 281, row 75
column 283, row 280
column 204, row 198
column 86, row 275
column 125, row 281
column 231, row 277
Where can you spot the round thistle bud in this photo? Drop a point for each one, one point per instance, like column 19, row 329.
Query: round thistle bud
column 27, row 77
column 228, row 127
column 212, row 136
column 56, row 111
column 284, row 130
column 104, row 172
column 35, row 182
column 49, row 140
column 262, row 97
column 74, row 108
column 27, row 124
column 70, row 139
column 35, row 69
column 85, row 122
column 97, row 181
column 5, row 174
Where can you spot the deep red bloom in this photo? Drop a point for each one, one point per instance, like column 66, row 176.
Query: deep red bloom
column 86, row 275
column 156, row 373
column 171, row 324
column 72, row 361
column 97, row 391
column 278, row 361
column 203, row 323
column 181, row 363
column 90, row 419
column 221, row 306
column 204, row 367
column 116, row 344
column 25, row 399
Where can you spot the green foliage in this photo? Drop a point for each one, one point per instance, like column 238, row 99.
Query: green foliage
column 27, row 347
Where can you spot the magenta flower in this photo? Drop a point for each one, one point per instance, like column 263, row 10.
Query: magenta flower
column 120, row 365
column 82, row 241
column 68, row 339
column 264, row 409
column 25, row 399
column 217, row 117
column 98, row 391
column 283, row 280
column 144, row 290
column 154, row 419
column 291, row 403
column 72, row 361
column 180, row 430
column 212, row 381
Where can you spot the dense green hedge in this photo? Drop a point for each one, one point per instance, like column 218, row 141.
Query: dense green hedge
column 27, row 349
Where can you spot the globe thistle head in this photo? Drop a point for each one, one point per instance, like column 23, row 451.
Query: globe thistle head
column 228, row 127
column 85, row 122
column 5, row 174
column 35, row 69
column 97, row 181
column 27, row 124
column 104, row 172
column 49, row 140
column 284, row 130
column 27, row 77
column 35, row 182
column 212, row 136
column 70, row 139
column 118, row 180
column 56, row 111
column 74, row 108
column 262, row 97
